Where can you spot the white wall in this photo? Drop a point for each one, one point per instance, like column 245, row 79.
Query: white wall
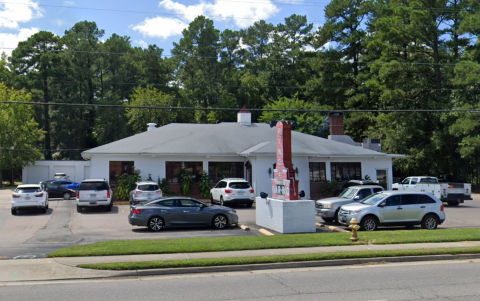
column 45, row 170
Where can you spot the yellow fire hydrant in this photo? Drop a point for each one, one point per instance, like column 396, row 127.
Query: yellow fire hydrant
column 354, row 226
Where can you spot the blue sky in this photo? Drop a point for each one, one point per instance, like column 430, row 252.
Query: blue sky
column 146, row 22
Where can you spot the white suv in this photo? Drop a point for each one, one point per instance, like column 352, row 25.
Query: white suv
column 394, row 208
column 144, row 192
column 94, row 193
column 234, row 191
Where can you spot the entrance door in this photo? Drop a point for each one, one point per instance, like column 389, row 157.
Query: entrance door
column 382, row 178
column 248, row 172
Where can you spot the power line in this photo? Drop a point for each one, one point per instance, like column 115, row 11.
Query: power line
column 322, row 111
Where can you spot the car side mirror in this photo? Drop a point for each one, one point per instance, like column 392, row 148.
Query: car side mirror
column 263, row 195
column 356, row 198
column 301, row 194
column 381, row 205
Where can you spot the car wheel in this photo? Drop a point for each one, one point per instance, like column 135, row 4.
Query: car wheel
column 46, row 207
column 337, row 217
column 108, row 208
column 328, row 219
column 211, row 199
column 220, row 221
column 43, row 210
column 369, row 223
column 14, row 212
column 249, row 205
column 155, row 223
column 454, row 203
column 67, row 196
column 430, row 222
column 222, row 203
column 79, row 209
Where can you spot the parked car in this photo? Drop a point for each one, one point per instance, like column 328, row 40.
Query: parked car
column 67, row 184
column 60, row 176
column 144, row 192
column 232, row 191
column 354, row 183
column 55, row 190
column 29, row 196
column 395, row 208
column 328, row 208
column 94, row 193
column 181, row 212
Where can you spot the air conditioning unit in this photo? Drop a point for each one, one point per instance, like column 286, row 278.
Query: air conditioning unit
column 373, row 144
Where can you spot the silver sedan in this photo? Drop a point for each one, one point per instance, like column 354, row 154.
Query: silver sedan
column 181, row 212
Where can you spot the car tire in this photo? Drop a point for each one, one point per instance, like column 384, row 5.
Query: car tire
column 43, row 210
column 369, row 223
column 67, row 196
column 429, row 222
column 327, row 219
column 108, row 208
column 454, row 203
column 14, row 212
column 79, row 209
column 212, row 201
column 219, row 221
column 156, row 224
column 222, row 202
column 249, row 205
column 337, row 217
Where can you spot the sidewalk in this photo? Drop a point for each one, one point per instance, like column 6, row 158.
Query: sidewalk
column 64, row 268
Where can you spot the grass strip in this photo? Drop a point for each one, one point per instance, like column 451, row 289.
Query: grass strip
column 206, row 262
column 218, row 244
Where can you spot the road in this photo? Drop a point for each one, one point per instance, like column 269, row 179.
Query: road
column 34, row 235
column 435, row 281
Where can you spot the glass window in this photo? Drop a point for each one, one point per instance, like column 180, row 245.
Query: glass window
column 221, row 170
column 317, row 172
column 93, row 186
column 394, row 200
column 406, row 181
column 169, row 203
column 409, row 199
column 190, row 203
column 425, row 199
column 119, row 168
column 364, row 193
column 239, row 185
column 148, row 187
column 342, row 172
column 174, row 170
column 377, row 189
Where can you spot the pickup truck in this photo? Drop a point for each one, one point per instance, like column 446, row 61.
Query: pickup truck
column 451, row 193
column 328, row 208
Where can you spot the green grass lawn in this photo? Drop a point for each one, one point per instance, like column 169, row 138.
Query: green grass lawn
column 183, row 245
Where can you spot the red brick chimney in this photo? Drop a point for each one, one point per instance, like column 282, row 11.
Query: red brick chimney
column 336, row 123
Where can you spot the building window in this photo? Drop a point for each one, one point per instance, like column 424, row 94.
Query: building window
column 119, row 168
column 342, row 172
column 174, row 169
column 220, row 170
column 317, row 172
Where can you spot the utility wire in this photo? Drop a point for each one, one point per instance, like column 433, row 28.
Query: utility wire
column 323, row 111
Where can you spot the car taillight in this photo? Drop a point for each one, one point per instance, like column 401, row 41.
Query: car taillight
column 39, row 195
column 108, row 194
column 228, row 191
column 444, row 191
column 442, row 208
column 159, row 191
column 137, row 192
column 450, row 186
column 78, row 194
column 15, row 196
column 251, row 190
column 137, row 211
column 136, row 202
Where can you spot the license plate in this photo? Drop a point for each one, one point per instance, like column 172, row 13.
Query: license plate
column 240, row 193
column 93, row 195
column 93, row 203
column 27, row 198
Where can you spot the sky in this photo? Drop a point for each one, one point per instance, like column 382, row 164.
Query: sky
column 146, row 22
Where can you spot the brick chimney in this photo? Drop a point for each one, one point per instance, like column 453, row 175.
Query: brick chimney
column 336, row 123
column 244, row 117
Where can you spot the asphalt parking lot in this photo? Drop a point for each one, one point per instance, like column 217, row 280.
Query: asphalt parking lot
column 31, row 234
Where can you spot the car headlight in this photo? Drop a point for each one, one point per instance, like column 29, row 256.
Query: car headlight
column 327, row 205
column 231, row 211
column 356, row 211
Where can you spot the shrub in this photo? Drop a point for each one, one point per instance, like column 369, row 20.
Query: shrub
column 163, row 184
column 204, row 184
column 329, row 188
column 186, row 180
column 126, row 183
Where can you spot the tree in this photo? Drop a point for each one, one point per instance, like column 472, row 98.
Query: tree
column 19, row 133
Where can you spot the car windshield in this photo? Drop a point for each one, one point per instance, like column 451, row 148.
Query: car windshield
column 373, row 199
column 239, row 185
column 28, row 190
column 148, row 187
column 348, row 193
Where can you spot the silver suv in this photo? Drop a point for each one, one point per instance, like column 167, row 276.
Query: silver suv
column 94, row 193
column 144, row 192
column 395, row 208
column 232, row 190
column 328, row 208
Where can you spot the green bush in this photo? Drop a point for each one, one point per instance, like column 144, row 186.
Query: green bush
column 329, row 188
column 186, row 180
column 163, row 184
column 204, row 184
column 126, row 183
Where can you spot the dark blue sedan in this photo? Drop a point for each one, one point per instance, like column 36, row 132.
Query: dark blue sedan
column 67, row 184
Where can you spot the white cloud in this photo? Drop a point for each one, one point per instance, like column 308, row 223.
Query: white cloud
column 242, row 13
column 69, row 3
column 160, row 27
column 18, row 11
column 10, row 40
column 141, row 43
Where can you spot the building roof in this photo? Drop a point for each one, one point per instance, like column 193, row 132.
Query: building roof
column 224, row 139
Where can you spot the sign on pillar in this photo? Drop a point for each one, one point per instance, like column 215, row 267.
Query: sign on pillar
column 284, row 183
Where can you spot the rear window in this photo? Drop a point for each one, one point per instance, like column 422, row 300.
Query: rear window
column 93, row 186
column 239, row 185
column 148, row 187
column 28, row 190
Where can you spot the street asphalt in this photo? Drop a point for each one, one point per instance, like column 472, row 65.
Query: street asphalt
column 65, row 268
